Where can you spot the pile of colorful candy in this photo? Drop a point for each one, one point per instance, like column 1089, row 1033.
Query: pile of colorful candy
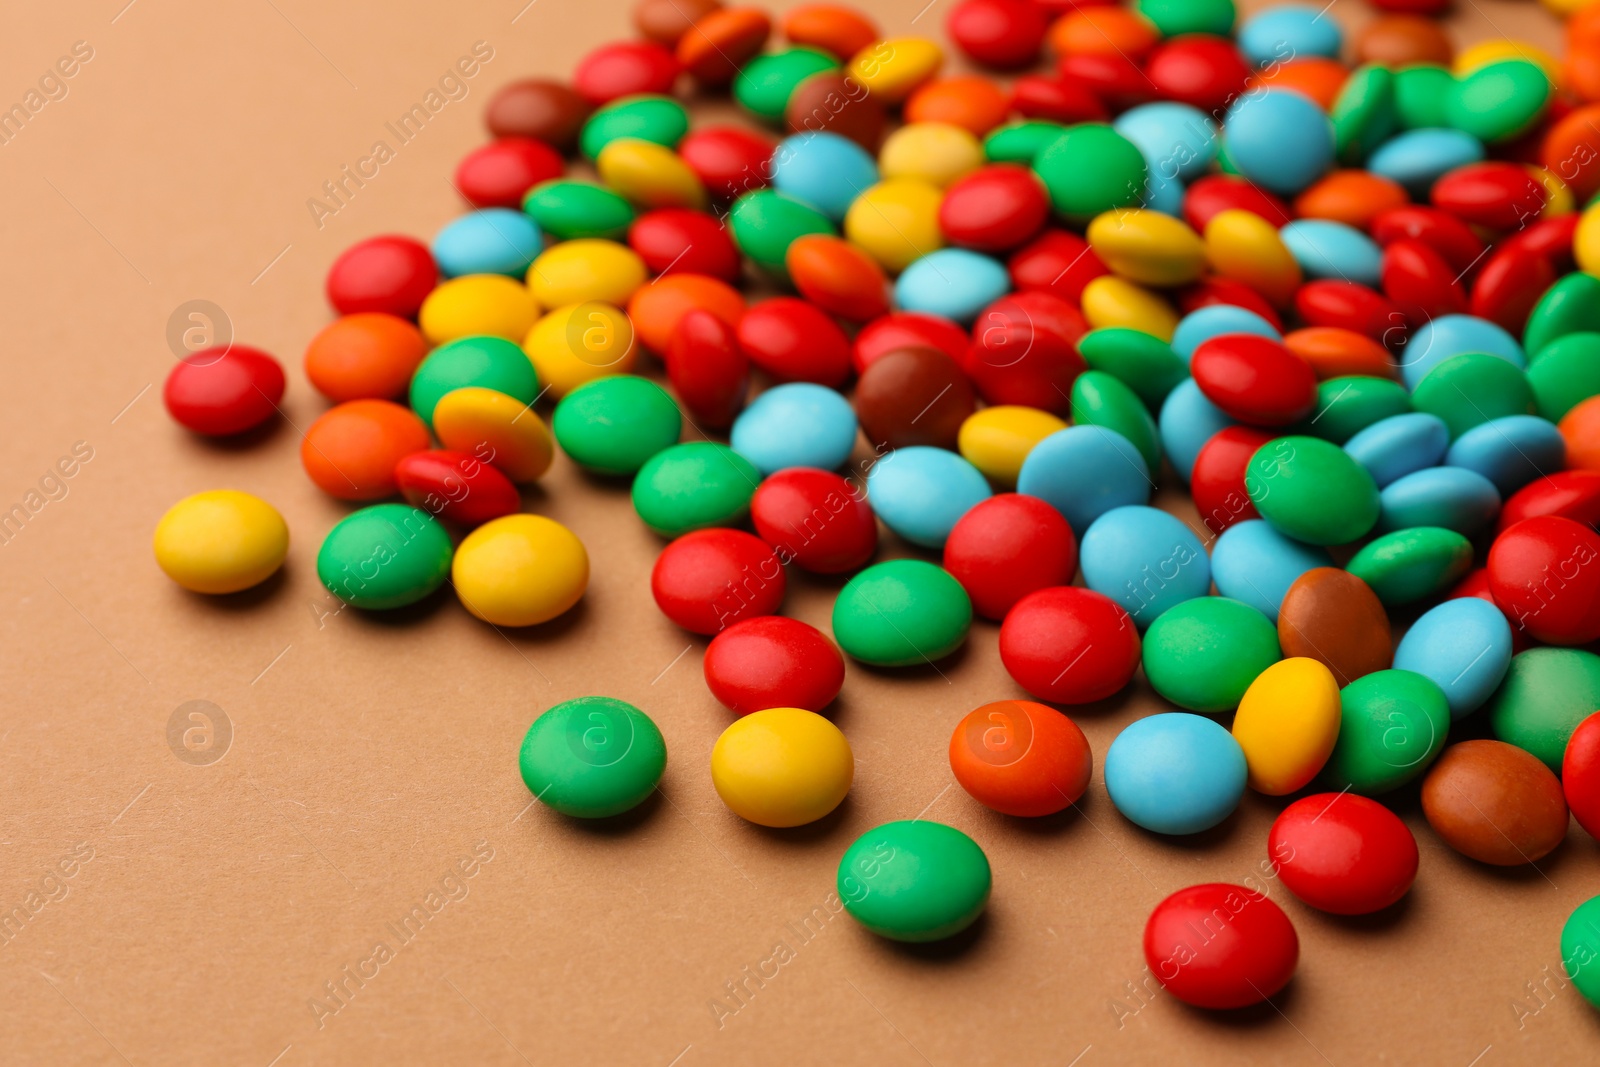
column 1354, row 308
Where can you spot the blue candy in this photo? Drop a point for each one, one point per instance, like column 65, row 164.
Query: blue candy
column 796, row 425
column 1188, row 420
column 1418, row 158
column 1084, row 472
column 1175, row 773
column 824, row 170
column 1203, row 324
column 1464, row 645
column 1400, row 445
column 1179, row 142
column 1510, row 451
column 1327, row 249
column 1453, row 497
column 1163, row 194
column 920, row 492
column 1145, row 559
column 1292, row 31
column 495, row 240
column 1279, row 139
column 1255, row 564
column 1451, row 335
column 953, row 283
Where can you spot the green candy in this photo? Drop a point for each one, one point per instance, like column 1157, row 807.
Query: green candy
column 1580, row 950
column 1500, row 101
column 592, row 757
column 1090, row 170
column 1472, row 388
column 1546, row 693
column 1144, row 363
column 1021, row 142
column 692, row 486
column 914, row 880
column 1364, row 114
column 646, row 118
column 901, row 612
column 1173, row 17
column 1312, row 490
column 567, row 210
column 1412, row 564
column 613, row 425
column 1099, row 399
column 1420, row 92
column 487, row 362
column 1565, row 373
column 1203, row 654
column 1348, row 405
column 385, row 556
column 765, row 224
column 1392, row 725
column 765, row 84
column 1571, row 305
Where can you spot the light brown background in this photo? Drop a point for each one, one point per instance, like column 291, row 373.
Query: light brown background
column 371, row 752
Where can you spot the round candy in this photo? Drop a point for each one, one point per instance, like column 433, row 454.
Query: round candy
column 900, row 330
column 1200, row 326
column 1453, row 497
column 1499, row 101
column 592, row 757
column 679, row 241
column 1279, row 139
column 543, row 110
column 824, row 170
column 495, row 428
column 837, row 276
column 1334, row 617
column 1540, row 575
column 1312, row 491
column 1287, row 723
column 1547, row 692
column 1410, row 565
column 1400, row 445
column 1464, row 646
column 1069, row 645
column 1204, row 654
column 764, row 86
column 1392, row 726
column 221, row 541
column 624, row 68
column 1327, row 249
column 1021, row 758
column 1451, row 335
column 1495, row 803
column 1419, row 157
column 477, row 362
column 220, row 392
column 952, row 283
column 613, row 425
column 921, row 492
column 994, row 209
column 1008, row 546
column 351, row 450
column 1091, row 169
column 721, row 42
column 1342, row 853
column 1470, row 389
column 365, row 356
column 1143, row 363
column 585, row 269
column 765, row 223
column 1580, row 774
column 900, row 613
column 1084, row 472
column 1005, row 34
column 1564, row 374
column 997, row 439
column 832, row 28
column 573, row 210
column 389, row 274
column 693, row 485
column 1145, row 559
column 658, row 309
column 385, row 556
column 1579, row 946
column 816, row 519
column 913, row 396
column 729, row 160
column 1188, row 421
column 499, row 174
column 1256, row 380
column 478, row 305
column 782, row 767
column 795, row 425
column 492, row 241
column 896, row 222
column 1570, row 494
column 648, row 174
column 935, row 152
column 795, row 342
column 1220, row 946
column 1217, row 482
column 1175, row 773
column 707, row 580
column 456, row 486
column 1147, row 247
column 1510, row 451
column 772, row 662
column 914, row 880
column 1256, row 565
column 520, row 570
column 1022, row 351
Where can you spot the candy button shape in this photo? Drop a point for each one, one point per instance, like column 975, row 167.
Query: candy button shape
column 1410, row 565
column 1542, row 573
column 797, row 424
column 1452, row 335
column 765, row 223
column 1099, row 399
column 997, row 439
column 1312, row 491
column 1188, row 420
column 1145, row 364
column 1332, row 616
column 1510, row 451
column 1580, row 773
column 613, row 425
column 649, row 175
column 457, row 487
column 782, row 767
column 520, row 570
column 1400, row 445
column 492, row 241
column 592, row 757
column 1145, row 559
column 351, row 450
column 1293, row 29
column 495, row 428
column 385, row 556
column 1256, row 565
column 900, row 613
column 914, row 880
column 1350, row 403
column 1547, row 692
column 1464, row 646
column 1278, row 139
column 1495, row 803
column 1084, row 472
column 785, row 510
column 223, row 391
column 773, row 662
column 1069, row 645
column 921, row 492
column 1178, row 141
column 1286, row 724
column 1201, row 325
column 952, row 283
column 709, row 579
column 478, row 304
column 824, row 170
column 1090, row 169
column 1221, row 946
column 935, row 152
column 571, row 210
column 1327, row 249
column 1205, row 653
column 370, row 355
column 1471, row 389
column 896, row 222
column 221, row 541
column 1452, row 497
column 1008, row 546
column 1342, row 853
column 1392, row 725
column 1175, row 773
column 1580, row 944
column 1147, row 247
column 1256, row 380
column 1417, row 158
column 694, row 485
column 1021, row 758
column 472, row 362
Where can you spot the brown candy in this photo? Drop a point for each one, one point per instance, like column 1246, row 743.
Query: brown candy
column 666, row 21
column 1398, row 40
column 1332, row 616
column 1495, row 803
column 913, row 396
column 544, row 110
column 836, row 102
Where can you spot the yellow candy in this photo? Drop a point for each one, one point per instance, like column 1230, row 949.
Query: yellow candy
column 478, row 304
column 520, row 570
column 1147, row 247
column 1483, row 53
column 892, row 69
column 221, row 541
column 1287, row 723
column 1567, row 8
column 782, row 767
column 649, row 175
column 896, row 222
column 587, row 269
column 996, row 440
column 1245, row 247
column 1558, row 197
column 1113, row 301
column 496, row 428
column 579, row 343
column 1586, row 241
column 936, row 152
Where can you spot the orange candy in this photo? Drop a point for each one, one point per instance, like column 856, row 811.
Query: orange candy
column 838, row 31
column 1353, row 197
column 716, row 46
column 657, row 308
column 1317, row 79
column 1580, row 428
column 1102, row 31
column 1334, row 352
column 838, row 277
column 974, row 103
column 1021, row 758
column 350, row 452
column 1571, row 150
column 366, row 355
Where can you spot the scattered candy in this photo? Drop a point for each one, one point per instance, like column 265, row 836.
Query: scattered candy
column 592, row 757
column 1495, row 803
column 1220, row 946
column 221, row 541
column 914, row 880
column 1343, row 853
column 782, row 767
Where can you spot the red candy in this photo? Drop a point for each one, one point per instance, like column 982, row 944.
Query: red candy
column 773, row 662
column 815, row 519
column 1064, row 100
column 456, row 486
column 625, row 68
column 224, row 391
column 1217, row 482
column 795, row 341
column 1208, row 197
column 1580, row 774
column 994, row 209
column 1569, row 494
column 727, row 160
column 708, row 580
column 1024, row 351
column 1005, row 34
column 1021, row 758
column 1543, row 574
column 1498, row 196
column 1255, row 379
column 707, row 368
column 1343, row 853
column 1069, row 645
column 1007, row 547
column 1420, row 282
column 678, row 240
column 907, row 329
column 392, row 274
column 1439, row 230
column 1351, row 306
column 1056, row 262
column 1220, row 946
column 1209, row 292
column 1508, row 286
column 1111, row 76
column 1199, row 70
column 500, row 172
